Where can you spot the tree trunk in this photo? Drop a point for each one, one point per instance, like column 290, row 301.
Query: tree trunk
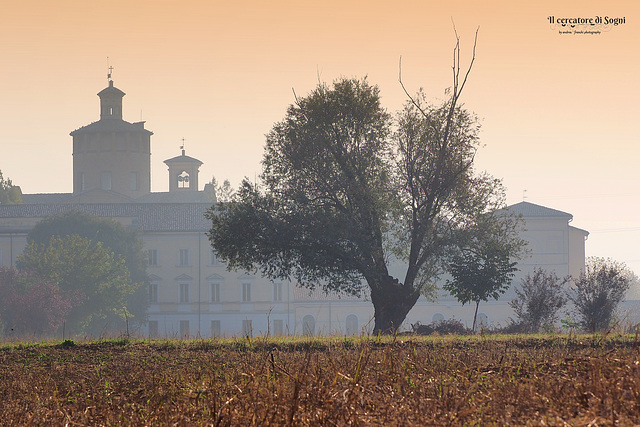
column 475, row 315
column 392, row 302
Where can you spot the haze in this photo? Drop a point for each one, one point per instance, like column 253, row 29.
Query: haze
column 559, row 110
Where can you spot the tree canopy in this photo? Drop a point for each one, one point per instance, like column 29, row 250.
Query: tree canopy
column 89, row 272
column 123, row 245
column 9, row 194
column 598, row 291
column 347, row 189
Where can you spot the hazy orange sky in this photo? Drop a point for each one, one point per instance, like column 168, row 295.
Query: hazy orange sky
column 559, row 110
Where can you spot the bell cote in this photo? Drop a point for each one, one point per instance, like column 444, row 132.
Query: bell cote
column 111, row 102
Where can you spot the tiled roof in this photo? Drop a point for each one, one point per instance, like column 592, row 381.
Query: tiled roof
column 531, row 210
column 177, row 197
column 45, row 198
column 145, row 216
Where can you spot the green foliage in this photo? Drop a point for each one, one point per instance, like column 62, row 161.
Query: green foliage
column 114, row 237
column 82, row 268
column 598, row 291
column 223, row 192
column 539, row 299
column 480, row 272
column 9, row 194
column 344, row 193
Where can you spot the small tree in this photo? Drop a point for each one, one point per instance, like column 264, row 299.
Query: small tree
column 481, row 272
column 9, row 194
column 30, row 304
column 539, row 299
column 598, row 291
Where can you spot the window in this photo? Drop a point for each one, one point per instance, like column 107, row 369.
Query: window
column 133, row 181
column 153, row 292
column 277, row 291
column 183, row 180
column 351, row 327
column 216, row 331
column 82, row 184
column 308, row 325
column 247, row 328
column 213, row 259
column 278, row 327
column 184, row 328
column 215, row 292
column 184, row 292
column 183, row 257
column 246, row 292
column 152, row 257
column 153, row 328
column 105, row 181
column 0, row 256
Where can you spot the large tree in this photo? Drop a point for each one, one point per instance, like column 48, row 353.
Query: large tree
column 346, row 190
column 113, row 236
column 96, row 278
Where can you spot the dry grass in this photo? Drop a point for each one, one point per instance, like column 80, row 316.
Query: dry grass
column 406, row 380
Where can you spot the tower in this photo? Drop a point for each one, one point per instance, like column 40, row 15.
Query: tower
column 112, row 154
column 183, row 172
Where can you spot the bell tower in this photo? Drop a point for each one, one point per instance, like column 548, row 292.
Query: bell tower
column 183, row 172
column 112, row 154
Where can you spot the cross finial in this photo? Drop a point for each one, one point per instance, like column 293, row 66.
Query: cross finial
column 110, row 68
column 182, row 146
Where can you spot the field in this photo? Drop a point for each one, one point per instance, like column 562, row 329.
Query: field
column 404, row 380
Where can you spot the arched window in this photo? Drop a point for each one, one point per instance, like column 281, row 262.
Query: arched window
column 351, row 327
column 438, row 317
column 308, row 325
column 183, row 180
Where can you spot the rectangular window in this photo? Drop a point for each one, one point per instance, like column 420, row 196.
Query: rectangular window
column 246, row 292
column 213, row 260
column 153, row 329
column 215, row 292
column 133, row 181
column 277, row 291
column 183, row 258
column 105, row 181
column 216, row 331
column 153, row 292
column 152, row 259
column 184, row 329
column 0, row 256
column 184, row 292
column 247, row 328
column 278, row 327
column 82, row 184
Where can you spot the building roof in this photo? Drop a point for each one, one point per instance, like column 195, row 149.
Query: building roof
column 178, row 196
column 144, row 216
column 183, row 158
column 45, row 198
column 531, row 210
column 112, row 125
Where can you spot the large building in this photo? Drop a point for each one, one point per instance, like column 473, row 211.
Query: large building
column 191, row 293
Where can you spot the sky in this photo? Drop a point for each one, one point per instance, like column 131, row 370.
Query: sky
column 558, row 104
